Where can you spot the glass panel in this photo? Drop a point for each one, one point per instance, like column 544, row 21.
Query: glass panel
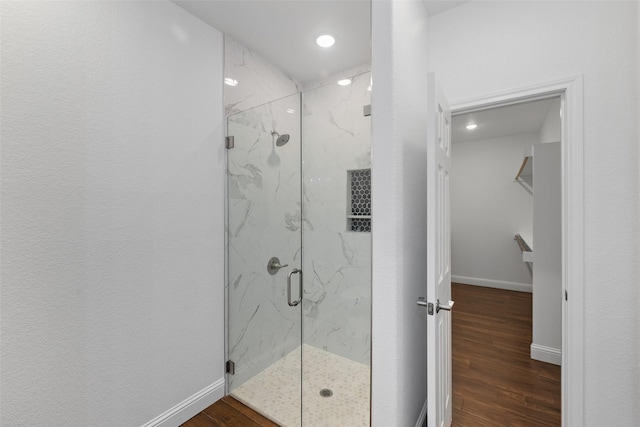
column 337, row 261
column 264, row 221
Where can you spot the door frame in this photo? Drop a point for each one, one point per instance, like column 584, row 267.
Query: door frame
column 571, row 90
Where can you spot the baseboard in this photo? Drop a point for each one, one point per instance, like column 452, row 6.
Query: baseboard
column 189, row 407
column 546, row 354
column 422, row 419
column 498, row 284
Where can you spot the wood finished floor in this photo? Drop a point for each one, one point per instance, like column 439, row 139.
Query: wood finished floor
column 229, row 412
column 495, row 382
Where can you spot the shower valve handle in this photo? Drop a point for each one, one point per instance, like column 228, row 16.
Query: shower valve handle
column 274, row 265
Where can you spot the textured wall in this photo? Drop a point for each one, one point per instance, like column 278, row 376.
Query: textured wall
column 398, row 149
column 112, row 237
column 515, row 44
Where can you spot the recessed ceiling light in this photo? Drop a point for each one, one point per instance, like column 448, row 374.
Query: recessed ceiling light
column 472, row 126
column 344, row 82
column 230, row 81
column 325, row 40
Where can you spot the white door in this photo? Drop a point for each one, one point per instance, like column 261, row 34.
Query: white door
column 438, row 303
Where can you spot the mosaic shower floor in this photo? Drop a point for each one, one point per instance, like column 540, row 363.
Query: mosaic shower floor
column 275, row 392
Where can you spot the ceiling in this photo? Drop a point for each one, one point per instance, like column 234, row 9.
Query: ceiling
column 284, row 31
column 526, row 117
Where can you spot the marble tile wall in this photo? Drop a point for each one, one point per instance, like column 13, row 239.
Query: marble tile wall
column 259, row 81
column 337, row 262
column 266, row 218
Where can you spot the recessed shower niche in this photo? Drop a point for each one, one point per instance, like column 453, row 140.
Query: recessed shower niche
column 359, row 209
column 301, row 159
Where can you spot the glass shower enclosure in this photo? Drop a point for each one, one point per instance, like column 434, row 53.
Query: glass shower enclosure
column 299, row 256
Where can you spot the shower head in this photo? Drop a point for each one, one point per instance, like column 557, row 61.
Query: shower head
column 282, row 139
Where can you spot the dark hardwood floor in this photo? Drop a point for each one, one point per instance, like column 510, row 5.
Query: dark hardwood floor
column 229, row 412
column 495, row 382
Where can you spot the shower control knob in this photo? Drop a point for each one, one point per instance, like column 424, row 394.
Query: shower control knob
column 274, row 265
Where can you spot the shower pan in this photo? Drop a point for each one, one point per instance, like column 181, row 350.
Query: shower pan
column 298, row 273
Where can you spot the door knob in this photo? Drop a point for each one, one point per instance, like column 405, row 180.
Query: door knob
column 423, row 303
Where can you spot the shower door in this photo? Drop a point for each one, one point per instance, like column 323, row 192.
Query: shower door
column 264, row 281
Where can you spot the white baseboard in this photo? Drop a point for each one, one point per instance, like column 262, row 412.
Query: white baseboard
column 422, row 419
column 189, row 407
column 499, row 284
column 546, row 354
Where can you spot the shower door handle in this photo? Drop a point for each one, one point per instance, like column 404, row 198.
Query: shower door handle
column 291, row 273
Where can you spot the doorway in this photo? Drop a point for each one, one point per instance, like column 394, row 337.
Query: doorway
column 572, row 219
column 506, row 201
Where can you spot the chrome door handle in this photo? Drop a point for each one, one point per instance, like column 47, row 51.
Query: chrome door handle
column 291, row 273
column 423, row 303
column 447, row 307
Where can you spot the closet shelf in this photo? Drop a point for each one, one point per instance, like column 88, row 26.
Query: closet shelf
column 527, row 252
column 525, row 173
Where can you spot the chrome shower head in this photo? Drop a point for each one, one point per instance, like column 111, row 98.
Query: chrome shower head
column 282, row 139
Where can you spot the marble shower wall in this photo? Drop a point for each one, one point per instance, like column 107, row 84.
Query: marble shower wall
column 259, row 81
column 337, row 262
column 264, row 221
column 264, row 217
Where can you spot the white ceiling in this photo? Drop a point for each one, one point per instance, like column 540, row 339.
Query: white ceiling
column 515, row 119
column 284, row 31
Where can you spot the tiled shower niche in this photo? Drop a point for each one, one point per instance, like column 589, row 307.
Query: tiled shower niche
column 359, row 215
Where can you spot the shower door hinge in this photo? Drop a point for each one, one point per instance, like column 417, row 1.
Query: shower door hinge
column 231, row 367
column 229, row 142
column 366, row 110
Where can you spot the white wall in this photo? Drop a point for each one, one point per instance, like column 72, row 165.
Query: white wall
column 546, row 342
column 487, row 209
column 551, row 129
column 510, row 45
column 399, row 65
column 112, row 213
